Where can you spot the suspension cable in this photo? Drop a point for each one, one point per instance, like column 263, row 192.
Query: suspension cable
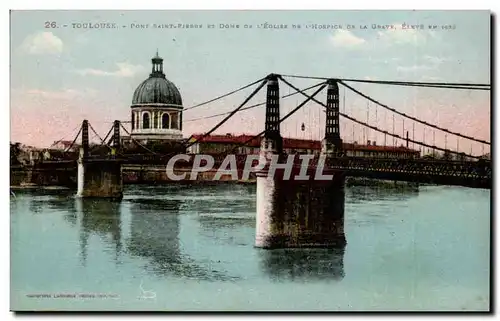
column 135, row 141
column 409, row 140
column 399, row 83
column 379, row 130
column 282, row 119
column 107, row 135
column 251, row 106
column 223, row 96
column 444, row 86
column 231, row 114
column 411, row 117
column 74, row 140
column 60, row 140
column 102, row 140
column 423, row 84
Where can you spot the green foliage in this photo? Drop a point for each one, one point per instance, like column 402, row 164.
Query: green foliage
column 15, row 152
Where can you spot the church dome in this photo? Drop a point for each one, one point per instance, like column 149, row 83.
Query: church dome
column 157, row 89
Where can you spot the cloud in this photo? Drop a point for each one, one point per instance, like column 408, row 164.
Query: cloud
column 431, row 78
column 345, row 38
column 429, row 63
column 401, row 35
column 81, row 39
column 435, row 60
column 59, row 94
column 123, row 70
column 433, row 34
column 43, row 43
column 413, row 68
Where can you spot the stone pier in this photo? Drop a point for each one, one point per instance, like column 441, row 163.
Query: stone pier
column 293, row 212
column 300, row 213
column 100, row 178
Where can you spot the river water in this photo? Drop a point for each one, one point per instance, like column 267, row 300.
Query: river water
column 190, row 248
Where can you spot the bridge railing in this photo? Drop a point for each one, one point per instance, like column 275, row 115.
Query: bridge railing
column 476, row 169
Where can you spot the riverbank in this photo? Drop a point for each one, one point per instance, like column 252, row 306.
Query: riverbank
column 39, row 187
column 372, row 182
column 350, row 182
column 26, row 178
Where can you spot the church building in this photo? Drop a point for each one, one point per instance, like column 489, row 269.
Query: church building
column 156, row 110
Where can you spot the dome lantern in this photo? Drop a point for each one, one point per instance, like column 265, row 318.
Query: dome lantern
column 157, row 68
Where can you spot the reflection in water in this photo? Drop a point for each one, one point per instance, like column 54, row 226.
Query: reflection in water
column 101, row 217
column 357, row 194
column 303, row 264
column 55, row 200
column 225, row 213
column 217, row 221
column 154, row 231
column 404, row 258
column 71, row 216
column 155, row 235
column 222, row 216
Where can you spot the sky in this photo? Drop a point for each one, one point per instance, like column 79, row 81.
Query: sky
column 62, row 73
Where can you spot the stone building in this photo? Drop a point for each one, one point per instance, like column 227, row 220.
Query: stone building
column 244, row 144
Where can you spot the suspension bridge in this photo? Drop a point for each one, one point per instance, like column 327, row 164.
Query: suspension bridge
column 464, row 169
column 292, row 213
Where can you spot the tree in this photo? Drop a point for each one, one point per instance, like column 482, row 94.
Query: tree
column 15, row 152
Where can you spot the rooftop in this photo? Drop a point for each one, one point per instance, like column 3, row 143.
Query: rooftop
column 294, row 143
column 63, row 142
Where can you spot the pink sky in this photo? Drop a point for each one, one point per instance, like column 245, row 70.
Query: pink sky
column 40, row 124
column 58, row 77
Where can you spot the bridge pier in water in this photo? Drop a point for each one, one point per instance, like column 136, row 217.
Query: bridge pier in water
column 98, row 178
column 299, row 213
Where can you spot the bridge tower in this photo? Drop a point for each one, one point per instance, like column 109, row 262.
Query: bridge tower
column 293, row 211
column 332, row 143
column 116, row 135
column 85, row 138
column 332, row 148
column 98, row 177
column 272, row 143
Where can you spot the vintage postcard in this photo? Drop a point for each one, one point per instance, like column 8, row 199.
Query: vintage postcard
column 250, row 161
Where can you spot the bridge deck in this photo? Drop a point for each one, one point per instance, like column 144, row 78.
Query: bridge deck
column 473, row 174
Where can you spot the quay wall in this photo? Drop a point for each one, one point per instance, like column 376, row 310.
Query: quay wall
column 158, row 175
column 46, row 175
column 26, row 176
column 139, row 174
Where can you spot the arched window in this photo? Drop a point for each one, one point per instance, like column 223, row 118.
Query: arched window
column 175, row 121
column 133, row 120
column 165, row 121
column 145, row 120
